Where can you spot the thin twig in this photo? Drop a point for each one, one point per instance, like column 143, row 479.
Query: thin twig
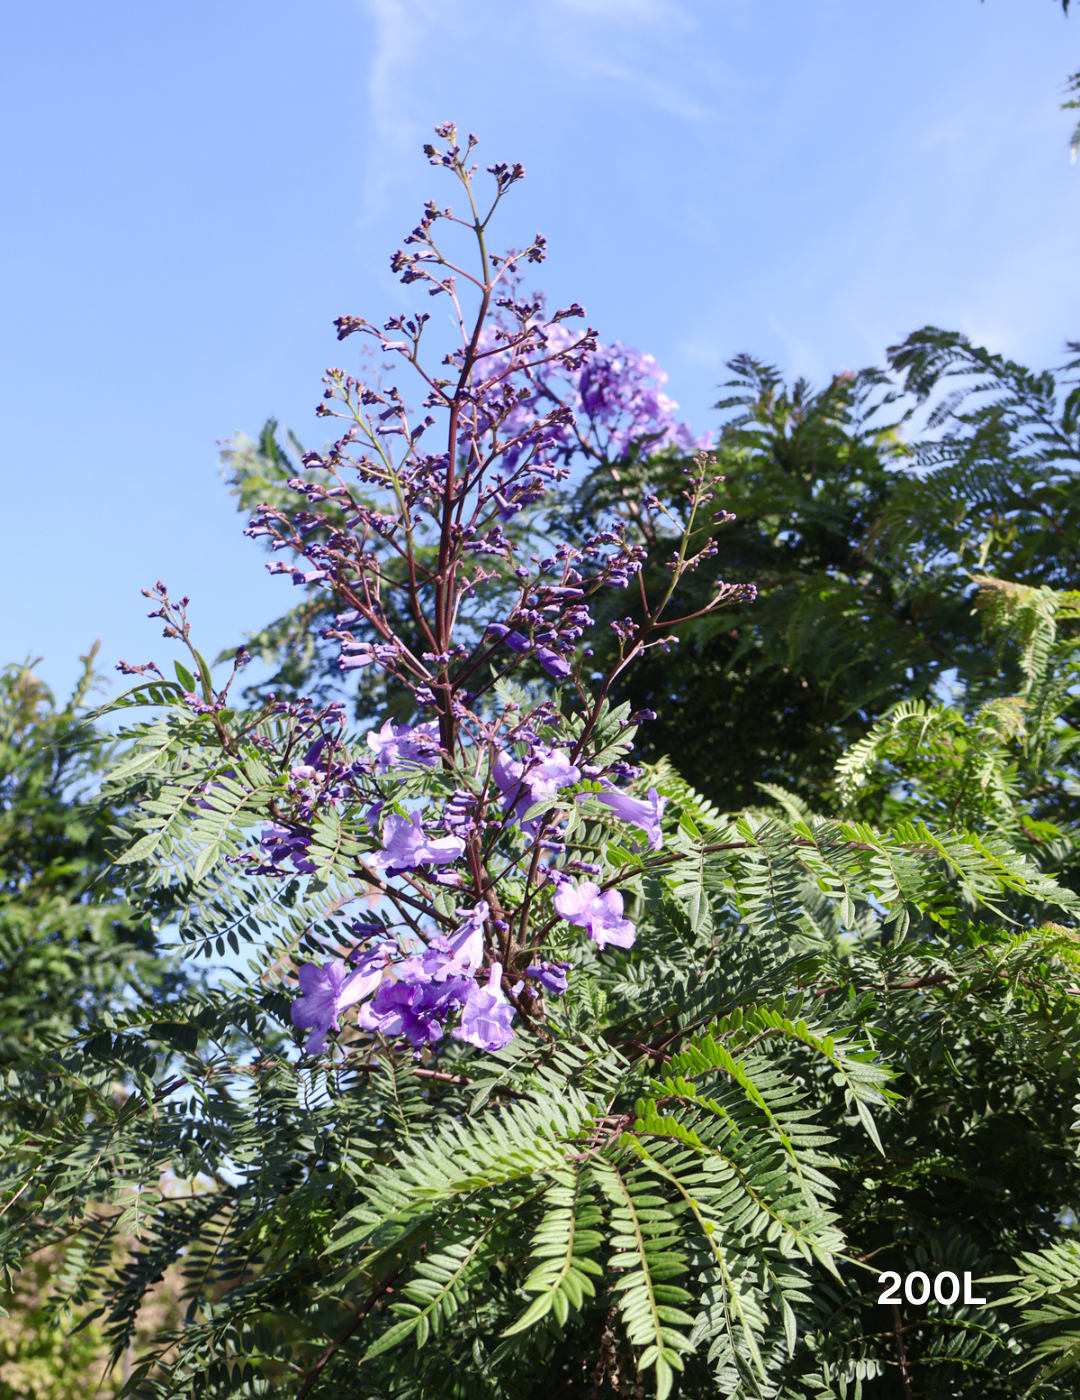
column 898, row 1333
column 338, row 1342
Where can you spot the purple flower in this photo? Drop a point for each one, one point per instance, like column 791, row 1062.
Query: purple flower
column 415, row 1010
column 325, row 992
column 514, row 640
column 554, row 664
column 616, row 396
column 415, row 1001
column 542, row 773
column 551, row 976
column 467, row 945
column 406, row 846
column 549, row 770
column 601, row 914
column 356, row 655
column 278, row 844
column 401, row 1009
column 507, row 771
column 485, row 1021
column 403, row 747
column 314, row 753
column 525, row 782
column 635, row 812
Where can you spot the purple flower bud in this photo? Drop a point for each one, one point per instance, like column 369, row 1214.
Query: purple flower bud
column 278, row 843
column 551, row 976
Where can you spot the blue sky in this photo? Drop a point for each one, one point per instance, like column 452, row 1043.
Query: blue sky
column 195, row 191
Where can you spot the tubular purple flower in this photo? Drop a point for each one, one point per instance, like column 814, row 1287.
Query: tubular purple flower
column 600, row 914
column 325, row 992
column 467, row 945
column 551, row 976
column 514, row 640
column 554, row 664
column 355, row 663
column 485, row 1021
column 539, row 778
column 413, row 1007
column 635, row 812
column 404, row 746
column 418, row 995
column 507, row 772
column 314, row 753
column 407, row 847
column 552, row 771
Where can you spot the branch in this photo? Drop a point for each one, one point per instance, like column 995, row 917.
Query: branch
column 372, row 1298
column 898, row 1332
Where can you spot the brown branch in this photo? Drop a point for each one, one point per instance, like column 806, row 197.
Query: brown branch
column 898, row 1333
column 372, row 1298
column 441, row 1077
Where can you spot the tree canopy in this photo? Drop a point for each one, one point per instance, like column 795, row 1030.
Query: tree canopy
column 70, row 944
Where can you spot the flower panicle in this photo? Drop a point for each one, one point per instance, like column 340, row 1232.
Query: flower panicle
column 425, row 530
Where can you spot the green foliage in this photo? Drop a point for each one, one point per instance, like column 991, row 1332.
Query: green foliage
column 845, row 1041
column 996, row 486
column 70, row 944
column 72, row 948
column 838, row 1046
column 1072, row 85
column 836, row 635
column 864, row 511
column 1047, row 1292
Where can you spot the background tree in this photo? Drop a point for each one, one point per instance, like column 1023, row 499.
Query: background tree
column 71, row 949
column 71, row 946
column 863, row 511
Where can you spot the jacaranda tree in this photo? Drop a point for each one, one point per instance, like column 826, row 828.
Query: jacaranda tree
column 544, row 1077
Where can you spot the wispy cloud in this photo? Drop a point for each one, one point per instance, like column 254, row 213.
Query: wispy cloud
column 484, row 50
column 400, row 33
column 630, row 12
column 663, row 95
column 639, row 45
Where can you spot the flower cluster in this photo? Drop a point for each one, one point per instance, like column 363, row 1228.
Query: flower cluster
column 412, row 992
column 617, row 407
column 471, row 829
